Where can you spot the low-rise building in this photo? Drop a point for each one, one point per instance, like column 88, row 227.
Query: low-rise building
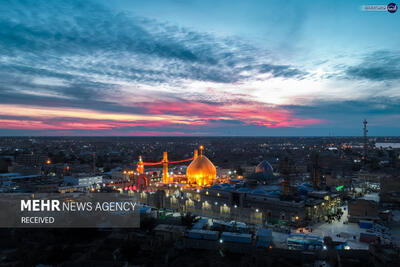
column 362, row 209
column 83, row 180
column 168, row 232
column 390, row 190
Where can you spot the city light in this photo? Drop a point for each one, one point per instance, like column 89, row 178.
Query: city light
column 114, row 102
column 339, row 188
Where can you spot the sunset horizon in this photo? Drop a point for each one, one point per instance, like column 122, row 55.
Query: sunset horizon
column 90, row 68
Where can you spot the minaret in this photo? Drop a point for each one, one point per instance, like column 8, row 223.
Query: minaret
column 285, row 170
column 94, row 163
column 316, row 178
column 140, row 166
column 201, row 150
column 365, row 131
column 165, row 168
column 196, row 154
column 286, row 186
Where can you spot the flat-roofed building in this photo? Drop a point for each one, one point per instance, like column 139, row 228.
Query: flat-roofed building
column 83, row 180
column 362, row 209
column 390, row 190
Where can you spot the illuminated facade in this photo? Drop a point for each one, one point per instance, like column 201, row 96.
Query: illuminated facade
column 140, row 166
column 201, row 171
column 165, row 176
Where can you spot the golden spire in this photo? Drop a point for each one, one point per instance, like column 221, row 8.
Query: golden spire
column 201, row 150
column 140, row 165
column 165, row 168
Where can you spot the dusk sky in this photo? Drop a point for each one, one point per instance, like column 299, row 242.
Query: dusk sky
column 181, row 67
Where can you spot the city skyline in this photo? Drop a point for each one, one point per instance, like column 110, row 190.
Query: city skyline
column 211, row 68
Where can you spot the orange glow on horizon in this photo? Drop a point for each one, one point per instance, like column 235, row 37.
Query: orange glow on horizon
column 178, row 114
column 52, row 112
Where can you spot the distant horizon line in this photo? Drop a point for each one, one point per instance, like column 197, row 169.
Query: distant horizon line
column 195, row 136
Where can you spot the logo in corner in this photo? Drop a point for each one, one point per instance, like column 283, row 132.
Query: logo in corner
column 392, row 7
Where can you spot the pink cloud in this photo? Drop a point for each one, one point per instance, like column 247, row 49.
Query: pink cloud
column 252, row 113
column 179, row 116
column 35, row 124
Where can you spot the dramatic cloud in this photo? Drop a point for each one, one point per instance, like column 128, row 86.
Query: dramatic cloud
column 378, row 66
column 79, row 67
column 190, row 117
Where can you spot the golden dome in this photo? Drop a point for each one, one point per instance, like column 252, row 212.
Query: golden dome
column 201, row 171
